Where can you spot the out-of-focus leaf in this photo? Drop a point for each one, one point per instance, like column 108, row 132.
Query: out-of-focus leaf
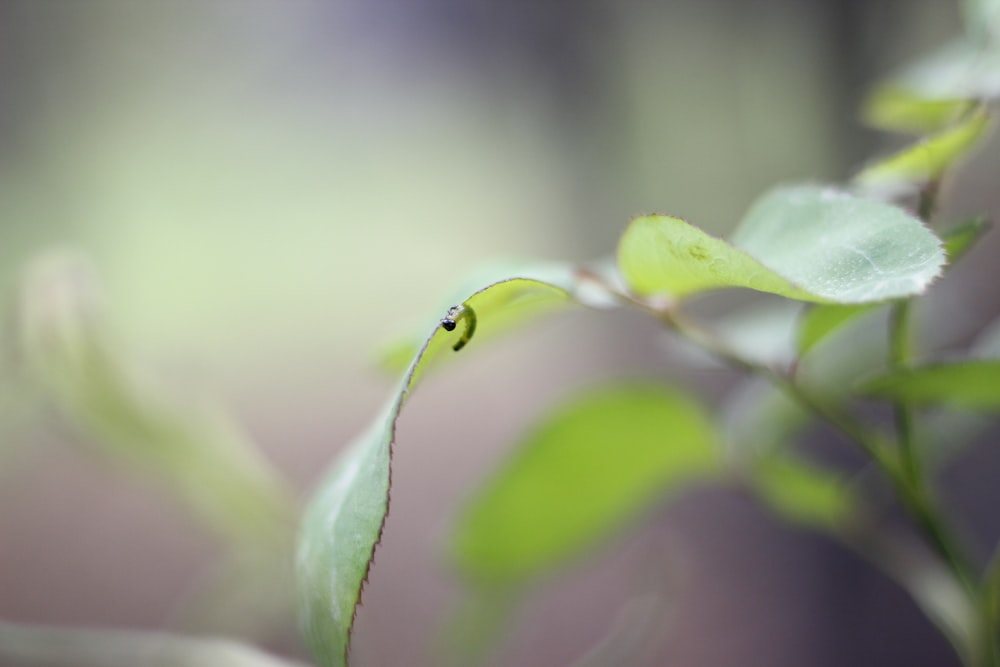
column 803, row 493
column 928, row 159
column 969, row 384
column 806, row 243
column 822, row 320
column 344, row 520
column 982, row 20
column 960, row 70
column 35, row 646
column 396, row 356
column 891, row 107
column 194, row 451
column 594, row 464
column 961, row 238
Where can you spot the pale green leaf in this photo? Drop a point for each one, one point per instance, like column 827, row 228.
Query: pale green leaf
column 928, row 159
column 192, row 450
column 969, row 384
column 807, row 243
column 396, row 356
column 822, row 320
column 891, row 107
column 590, row 467
column 344, row 520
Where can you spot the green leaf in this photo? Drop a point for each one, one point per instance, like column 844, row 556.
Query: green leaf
column 928, row 159
column 961, row 238
column 806, row 243
column 344, row 520
column 396, row 356
column 802, row 493
column 192, row 450
column 969, row 384
column 891, row 107
column 592, row 466
column 822, row 320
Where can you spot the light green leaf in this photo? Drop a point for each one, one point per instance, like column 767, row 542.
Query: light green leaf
column 928, row 159
column 961, row 238
column 891, row 107
column 192, row 450
column 593, row 465
column 822, row 320
column 969, row 384
column 807, row 243
column 396, row 356
column 344, row 520
column 803, row 493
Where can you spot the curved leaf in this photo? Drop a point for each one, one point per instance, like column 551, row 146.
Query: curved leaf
column 822, row 320
column 585, row 288
column 597, row 462
column 970, row 384
column 806, row 243
column 928, row 159
column 344, row 520
column 892, row 107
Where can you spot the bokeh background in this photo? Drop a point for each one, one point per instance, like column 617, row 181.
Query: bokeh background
column 269, row 192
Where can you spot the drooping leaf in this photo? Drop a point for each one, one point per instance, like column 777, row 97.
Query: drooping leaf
column 928, row 159
column 803, row 493
column 807, row 243
column 594, row 464
column 891, row 107
column 344, row 519
column 396, row 356
column 969, row 384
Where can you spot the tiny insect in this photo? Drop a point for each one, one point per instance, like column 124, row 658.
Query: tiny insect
column 455, row 315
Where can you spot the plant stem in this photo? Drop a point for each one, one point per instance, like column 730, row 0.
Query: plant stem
column 901, row 467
